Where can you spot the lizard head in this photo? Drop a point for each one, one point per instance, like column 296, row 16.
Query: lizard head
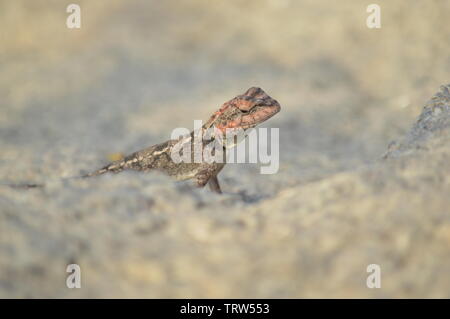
column 244, row 111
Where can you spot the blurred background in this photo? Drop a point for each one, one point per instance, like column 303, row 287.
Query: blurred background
column 73, row 98
column 135, row 70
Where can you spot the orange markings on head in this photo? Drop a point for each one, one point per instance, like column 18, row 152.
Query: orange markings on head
column 232, row 124
column 246, row 105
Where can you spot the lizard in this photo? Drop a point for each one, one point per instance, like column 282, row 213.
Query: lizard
column 245, row 111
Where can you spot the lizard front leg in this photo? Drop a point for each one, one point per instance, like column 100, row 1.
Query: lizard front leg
column 208, row 175
column 214, row 185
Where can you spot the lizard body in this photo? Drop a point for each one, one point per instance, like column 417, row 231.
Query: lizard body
column 244, row 111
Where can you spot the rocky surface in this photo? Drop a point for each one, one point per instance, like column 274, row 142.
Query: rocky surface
column 345, row 195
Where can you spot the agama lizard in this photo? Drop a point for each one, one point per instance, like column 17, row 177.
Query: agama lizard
column 244, row 111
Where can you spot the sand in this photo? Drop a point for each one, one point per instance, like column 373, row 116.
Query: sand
column 363, row 175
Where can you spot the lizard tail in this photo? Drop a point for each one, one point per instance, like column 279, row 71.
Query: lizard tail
column 23, row 185
column 113, row 168
column 95, row 173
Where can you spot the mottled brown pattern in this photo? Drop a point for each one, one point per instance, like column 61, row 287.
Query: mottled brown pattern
column 244, row 111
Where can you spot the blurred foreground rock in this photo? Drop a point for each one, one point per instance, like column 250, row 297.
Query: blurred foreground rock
column 137, row 235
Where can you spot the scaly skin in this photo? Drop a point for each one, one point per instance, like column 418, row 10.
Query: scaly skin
column 244, row 111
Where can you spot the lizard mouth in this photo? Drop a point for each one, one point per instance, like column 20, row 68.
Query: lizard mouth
column 259, row 114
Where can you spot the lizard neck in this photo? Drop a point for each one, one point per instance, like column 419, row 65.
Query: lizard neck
column 210, row 138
